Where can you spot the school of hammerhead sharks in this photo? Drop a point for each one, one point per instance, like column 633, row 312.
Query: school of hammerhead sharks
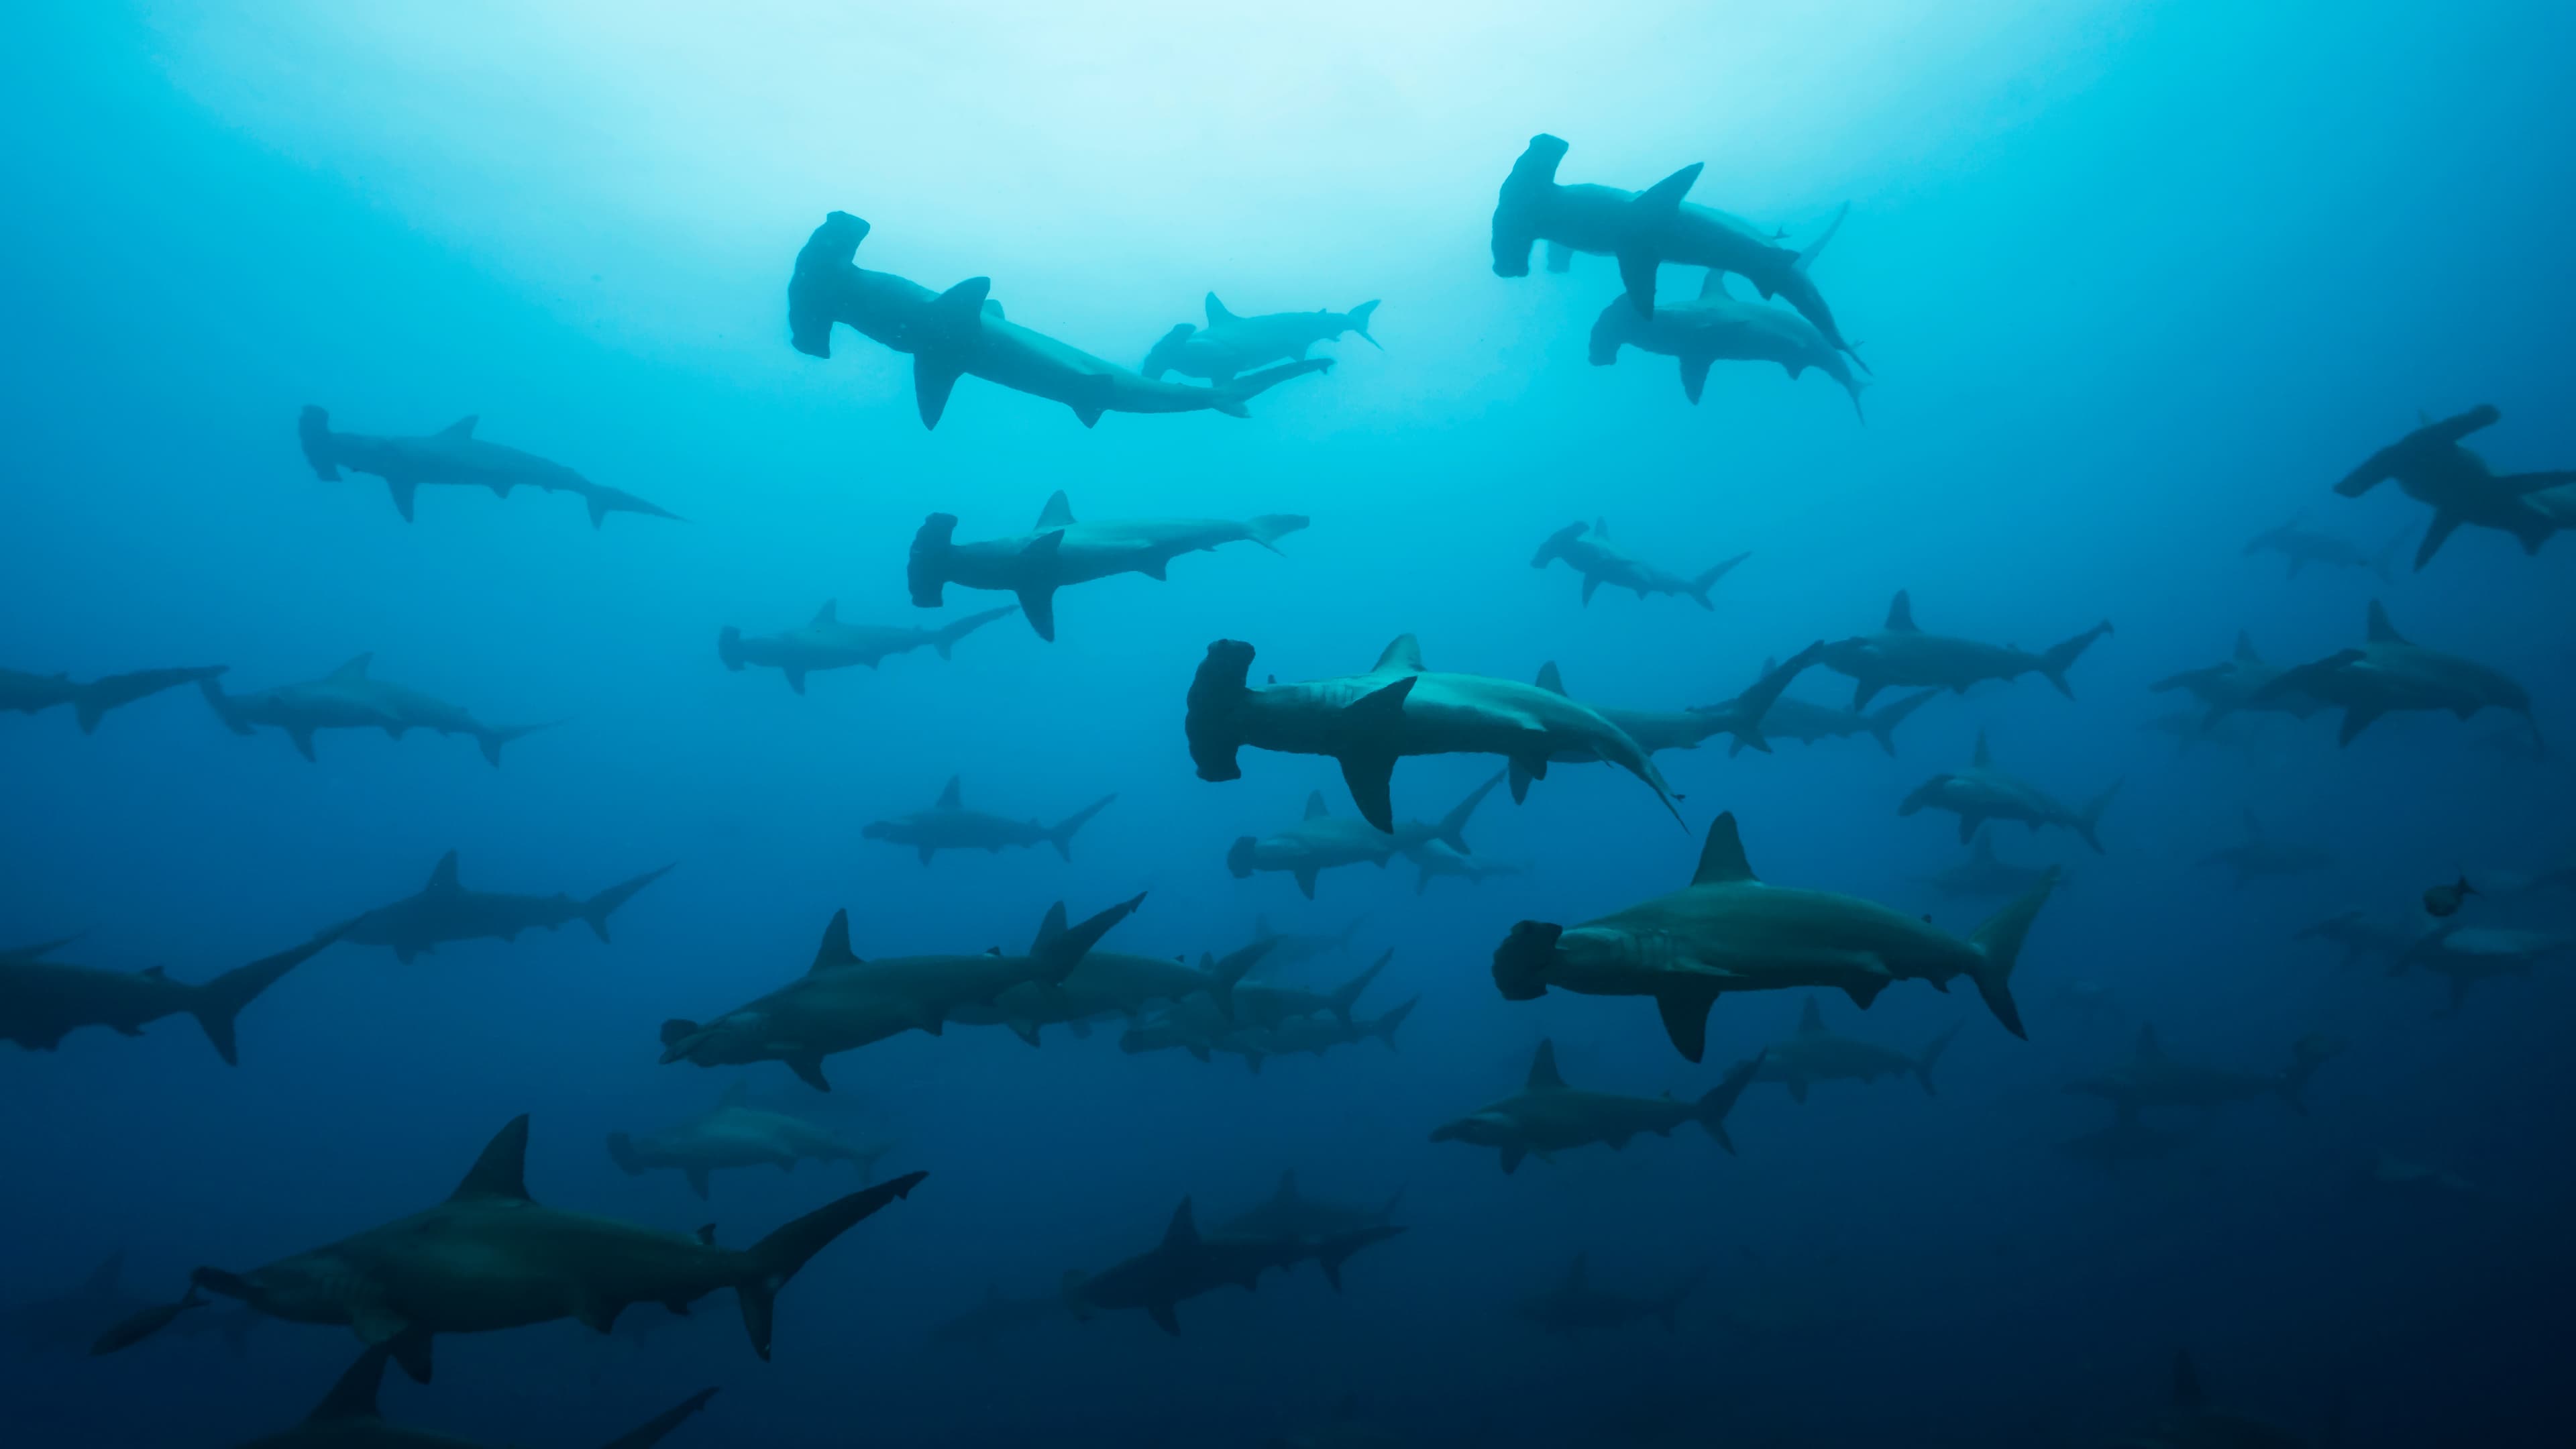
column 488, row 1257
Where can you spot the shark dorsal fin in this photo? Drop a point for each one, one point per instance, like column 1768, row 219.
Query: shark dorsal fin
column 106, row 1275
column 1184, row 1231
column 462, row 428
column 1900, row 615
column 1811, row 1022
column 1713, row 286
column 1058, row 512
column 1549, row 679
column 1403, row 656
column 1543, row 1076
column 835, row 948
column 442, row 876
column 356, row 668
column 734, row 1096
column 1287, row 1187
column 1049, row 927
column 2381, row 631
column 1316, row 809
column 2186, row 1383
column 354, row 1395
column 1985, row 754
column 502, row 1170
column 1216, row 314
column 1721, row 859
column 830, row 613
column 2245, row 649
column 2149, row 1050
column 950, row 796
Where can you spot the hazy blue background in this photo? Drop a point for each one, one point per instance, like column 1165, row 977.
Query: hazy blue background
column 2138, row 281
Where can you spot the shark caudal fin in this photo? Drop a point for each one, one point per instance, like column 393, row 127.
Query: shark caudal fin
column 1229, row 969
column 2311, row 1052
column 1385, row 1026
column 1059, row 951
column 1358, row 318
column 215, row 1003
column 596, row 911
column 1932, row 1054
column 1266, row 529
column 92, row 701
column 945, row 638
column 774, row 1259
column 1720, row 1099
column 1998, row 945
column 1700, row 586
column 650, row 1432
column 926, row 571
column 313, row 430
column 729, row 647
column 1216, row 698
column 2088, row 818
column 1060, row 834
column 2062, row 655
column 1234, row 392
column 492, row 737
column 1882, row 725
column 1347, row 995
column 621, row 1150
column 1452, row 829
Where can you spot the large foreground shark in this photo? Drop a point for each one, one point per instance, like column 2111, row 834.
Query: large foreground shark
column 824, row 642
column 1716, row 327
column 1230, row 345
column 1981, row 793
column 2435, row 470
column 25, row 693
column 1901, row 654
column 347, row 1418
column 42, row 1001
column 1366, row 722
column 453, row 455
column 349, row 698
column 949, row 825
column 1727, row 931
column 1546, row 1116
column 1644, row 230
column 1187, row 1263
column 960, row 331
column 1817, row 1054
column 490, row 1258
column 735, row 1133
column 444, row 911
column 1060, row 552
column 1586, row 548
column 2388, row 674
column 1322, row 840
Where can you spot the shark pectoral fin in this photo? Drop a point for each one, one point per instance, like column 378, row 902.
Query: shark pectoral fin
column 1694, row 377
column 411, row 1350
column 2436, row 533
column 303, row 744
column 1026, row 1031
column 1685, row 1016
column 1592, row 582
column 597, row 1314
column 1037, row 602
column 926, row 852
column 697, row 1181
column 1164, row 1318
column 809, row 1069
column 1512, row 1160
column 933, row 378
column 1968, row 827
column 1371, row 778
column 377, row 1324
column 402, row 490
column 795, row 678
column 1306, row 878
column 1200, row 1051
column 1798, row 1090
column 2354, row 722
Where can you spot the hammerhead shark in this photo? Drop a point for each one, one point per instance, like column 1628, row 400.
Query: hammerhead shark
column 1902, row 654
column 41, row 1001
column 1728, row 931
column 1817, row 1054
column 454, row 455
column 1789, row 717
column 1573, row 1304
column 25, row 693
column 949, row 825
column 1323, row 840
column 1191, row 1028
column 1984, row 874
column 1644, row 230
column 826, row 643
column 2362, row 940
column 1547, row 1117
column 350, row 698
column 2433, row 469
column 1366, row 722
column 2152, row 1079
column 444, row 911
column 2235, row 683
column 843, row 1003
column 1187, row 1263
column 1587, row 549
column 1104, row 984
column 2388, row 674
column 2466, row 955
column 1981, row 793
column 735, row 1133
column 1060, row 552
column 1289, row 1213
column 1742, row 717
column 2259, row 856
column 2303, row 546
column 347, row 1418
column 490, row 1257
column 1230, row 345
column 960, row 331
column 1716, row 327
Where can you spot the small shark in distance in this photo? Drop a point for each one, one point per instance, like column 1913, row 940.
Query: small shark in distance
column 69, row 1322
column 2362, row 940
column 1186, row 1264
column 1572, row 1304
column 2261, row 857
column 736, row 1134
column 2239, row 683
column 2463, row 956
column 2388, row 674
column 1547, row 1117
column 1104, row 984
column 1586, row 548
column 25, row 693
column 1366, row 722
column 1728, row 931
column 1060, row 552
column 1985, row 876
column 1789, row 717
column 1981, row 793
column 2151, row 1079
column 1230, row 345
column 1322, row 840
column 347, row 1418
column 2304, row 546
column 1815, row 1054
column 2433, row 469
column 1715, row 328
column 949, row 825
column 1902, row 654
column 443, row 911
column 1289, row 1213
column 1288, row 949
column 41, row 1001
column 1435, row 860
column 827, row 643
column 2127, row 1139
column 453, row 455
column 1740, row 718
column 350, row 698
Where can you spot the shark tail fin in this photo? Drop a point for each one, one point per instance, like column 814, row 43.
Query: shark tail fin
column 1452, row 829
column 492, row 737
column 1932, row 1051
column 947, row 636
column 1266, row 529
column 1060, row 834
column 776, row 1258
column 2090, row 817
column 217, row 1002
column 1882, row 725
column 1061, row 951
column 313, row 430
column 1359, row 319
column 621, row 1150
column 1700, row 586
column 729, row 647
column 2312, row 1051
column 1998, row 942
column 92, row 701
column 1347, row 995
column 1720, row 1099
column 1231, row 969
column 596, row 911
column 1232, row 394
column 2062, row 655
column 650, row 1432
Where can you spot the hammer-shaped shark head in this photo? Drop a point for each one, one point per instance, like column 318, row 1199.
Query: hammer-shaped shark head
column 1516, row 209
column 1216, row 695
column 926, row 571
column 1556, row 544
column 833, row 247
column 1166, row 353
column 1522, row 963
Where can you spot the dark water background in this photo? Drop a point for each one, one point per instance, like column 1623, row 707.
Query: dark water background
column 2137, row 282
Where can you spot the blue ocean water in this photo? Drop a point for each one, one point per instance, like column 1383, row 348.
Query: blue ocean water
column 2135, row 283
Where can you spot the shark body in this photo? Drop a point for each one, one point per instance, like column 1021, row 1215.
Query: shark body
column 1902, row 654
column 1187, row 1264
column 1982, row 792
column 1817, row 1054
column 1061, row 552
column 736, row 1134
column 1716, row 327
column 2434, row 470
column 824, row 642
column 444, row 910
column 2390, row 673
column 949, row 825
column 1587, row 549
column 1231, row 345
column 1547, row 1117
column 350, row 697
column 42, row 1001
column 453, row 455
